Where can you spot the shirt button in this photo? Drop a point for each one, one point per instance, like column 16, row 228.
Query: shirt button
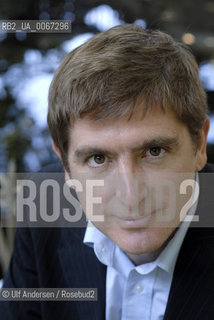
column 103, row 250
column 138, row 287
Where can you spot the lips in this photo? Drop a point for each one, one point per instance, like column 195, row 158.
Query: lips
column 134, row 222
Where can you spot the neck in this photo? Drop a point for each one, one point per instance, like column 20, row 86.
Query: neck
column 139, row 259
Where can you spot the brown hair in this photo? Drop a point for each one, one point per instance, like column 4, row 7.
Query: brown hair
column 107, row 75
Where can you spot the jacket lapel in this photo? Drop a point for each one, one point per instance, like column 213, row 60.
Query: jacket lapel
column 81, row 269
column 191, row 293
column 193, row 278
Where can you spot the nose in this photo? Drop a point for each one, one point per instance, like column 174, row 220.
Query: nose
column 129, row 184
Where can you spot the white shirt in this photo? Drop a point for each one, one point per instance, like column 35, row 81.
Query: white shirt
column 136, row 292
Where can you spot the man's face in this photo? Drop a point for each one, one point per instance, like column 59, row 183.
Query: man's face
column 142, row 161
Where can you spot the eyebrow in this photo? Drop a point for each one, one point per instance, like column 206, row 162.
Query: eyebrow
column 86, row 150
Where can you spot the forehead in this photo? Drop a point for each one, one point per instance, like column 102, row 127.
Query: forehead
column 154, row 123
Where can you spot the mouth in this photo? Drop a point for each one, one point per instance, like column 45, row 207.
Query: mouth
column 140, row 222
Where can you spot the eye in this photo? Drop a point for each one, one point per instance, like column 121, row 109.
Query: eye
column 155, row 152
column 96, row 160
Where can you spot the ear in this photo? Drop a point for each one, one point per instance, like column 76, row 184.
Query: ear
column 56, row 150
column 201, row 156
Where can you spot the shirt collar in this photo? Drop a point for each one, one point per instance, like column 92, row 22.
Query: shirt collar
column 168, row 257
column 103, row 246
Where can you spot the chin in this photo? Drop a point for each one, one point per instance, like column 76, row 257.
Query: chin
column 140, row 242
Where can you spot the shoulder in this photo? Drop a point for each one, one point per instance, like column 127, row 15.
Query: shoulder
column 207, row 168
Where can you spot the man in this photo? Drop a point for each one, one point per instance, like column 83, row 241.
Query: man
column 126, row 110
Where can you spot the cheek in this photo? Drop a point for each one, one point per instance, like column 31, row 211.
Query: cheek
column 170, row 197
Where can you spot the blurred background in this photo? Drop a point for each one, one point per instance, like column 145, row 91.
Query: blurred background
column 28, row 62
